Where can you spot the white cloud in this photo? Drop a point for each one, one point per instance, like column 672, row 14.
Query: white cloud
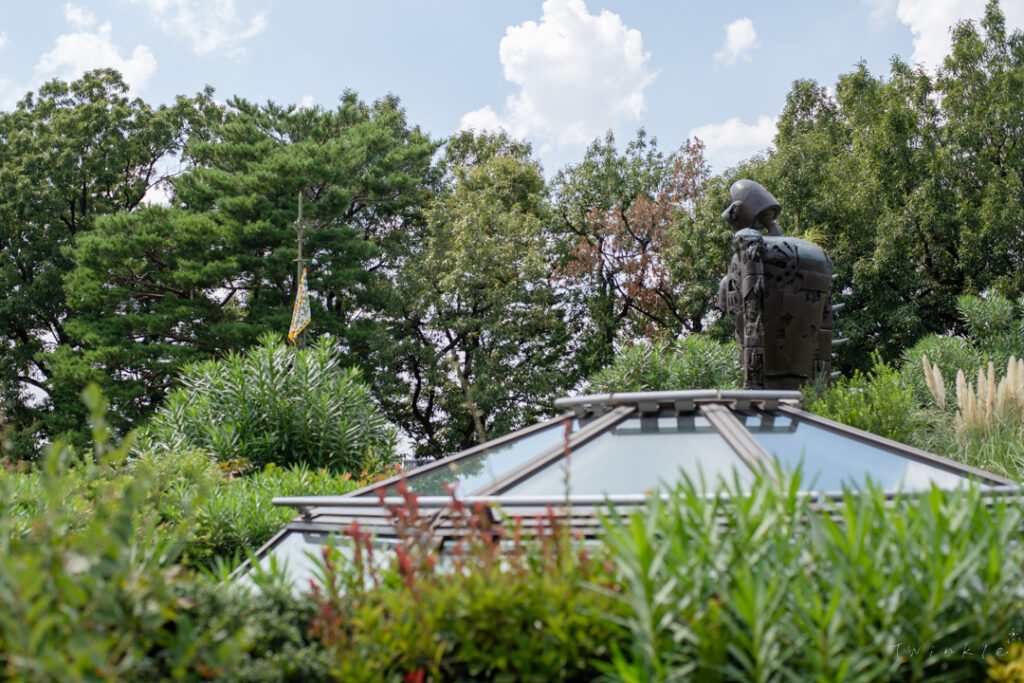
column 210, row 25
column 161, row 192
column 484, row 119
column 578, row 74
column 75, row 53
column 733, row 141
column 80, row 18
column 881, row 10
column 305, row 102
column 930, row 22
column 3, row 39
column 740, row 41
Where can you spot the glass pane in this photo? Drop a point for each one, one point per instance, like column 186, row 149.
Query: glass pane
column 640, row 455
column 831, row 460
column 475, row 471
column 300, row 555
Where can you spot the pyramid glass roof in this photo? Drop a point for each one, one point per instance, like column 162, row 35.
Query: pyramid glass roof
column 619, row 449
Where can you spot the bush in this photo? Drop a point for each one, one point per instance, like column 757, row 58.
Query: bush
column 696, row 362
column 984, row 426
column 761, row 587
column 991, row 322
column 238, row 517
column 493, row 608
column 88, row 585
column 214, row 516
column 275, row 641
column 277, row 405
column 949, row 354
column 879, row 401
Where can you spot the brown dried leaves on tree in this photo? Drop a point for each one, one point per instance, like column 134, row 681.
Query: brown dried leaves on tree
column 623, row 249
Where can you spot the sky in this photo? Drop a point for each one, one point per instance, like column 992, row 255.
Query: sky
column 557, row 73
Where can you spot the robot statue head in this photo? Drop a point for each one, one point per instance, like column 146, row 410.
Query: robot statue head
column 752, row 207
column 777, row 292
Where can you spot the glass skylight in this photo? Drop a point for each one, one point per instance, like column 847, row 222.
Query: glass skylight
column 639, row 455
column 623, row 447
column 831, row 460
column 474, row 471
column 300, row 555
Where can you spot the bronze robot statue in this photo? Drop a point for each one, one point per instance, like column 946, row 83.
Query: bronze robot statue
column 778, row 293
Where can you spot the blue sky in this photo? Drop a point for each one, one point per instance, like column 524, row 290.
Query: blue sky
column 556, row 73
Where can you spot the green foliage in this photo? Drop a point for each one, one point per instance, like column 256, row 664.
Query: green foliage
column 69, row 155
column 897, row 403
column 1000, row 449
column 275, row 404
column 694, row 362
column 89, row 589
column 949, row 354
column 276, row 644
column 907, row 180
column 473, row 324
column 215, row 515
column 496, row 607
column 879, row 401
column 212, row 272
column 629, row 270
column 237, row 516
column 760, row 587
column 995, row 325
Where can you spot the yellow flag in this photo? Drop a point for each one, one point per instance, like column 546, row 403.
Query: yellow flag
column 300, row 313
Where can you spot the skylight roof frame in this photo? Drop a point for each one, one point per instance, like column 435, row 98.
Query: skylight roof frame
column 597, row 414
column 547, row 457
column 736, row 435
column 384, row 484
column 602, row 412
column 899, row 449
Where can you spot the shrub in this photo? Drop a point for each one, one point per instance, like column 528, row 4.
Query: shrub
column 879, row 402
column 275, row 642
column 696, row 362
column 949, row 354
column 494, row 608
column 214, row 516
column 761, row 587
column 987, row 429
column 995, row 332
column 278, row 405
column 991, row 322
column 88, row 588
column 238, row 517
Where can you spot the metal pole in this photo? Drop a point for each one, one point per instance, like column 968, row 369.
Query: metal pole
column 300, row 338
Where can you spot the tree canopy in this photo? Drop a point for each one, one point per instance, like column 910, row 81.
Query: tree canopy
column 468, row 288
column 164, row 286
column 913, row 183
column 69, row 155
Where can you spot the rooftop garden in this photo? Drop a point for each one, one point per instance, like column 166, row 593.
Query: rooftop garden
column 150, row 407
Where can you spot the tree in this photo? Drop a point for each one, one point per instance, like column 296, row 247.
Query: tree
column 617, row 216
column 166, row 286
column 69, row 154
column 474, row 325
column 914, row 184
